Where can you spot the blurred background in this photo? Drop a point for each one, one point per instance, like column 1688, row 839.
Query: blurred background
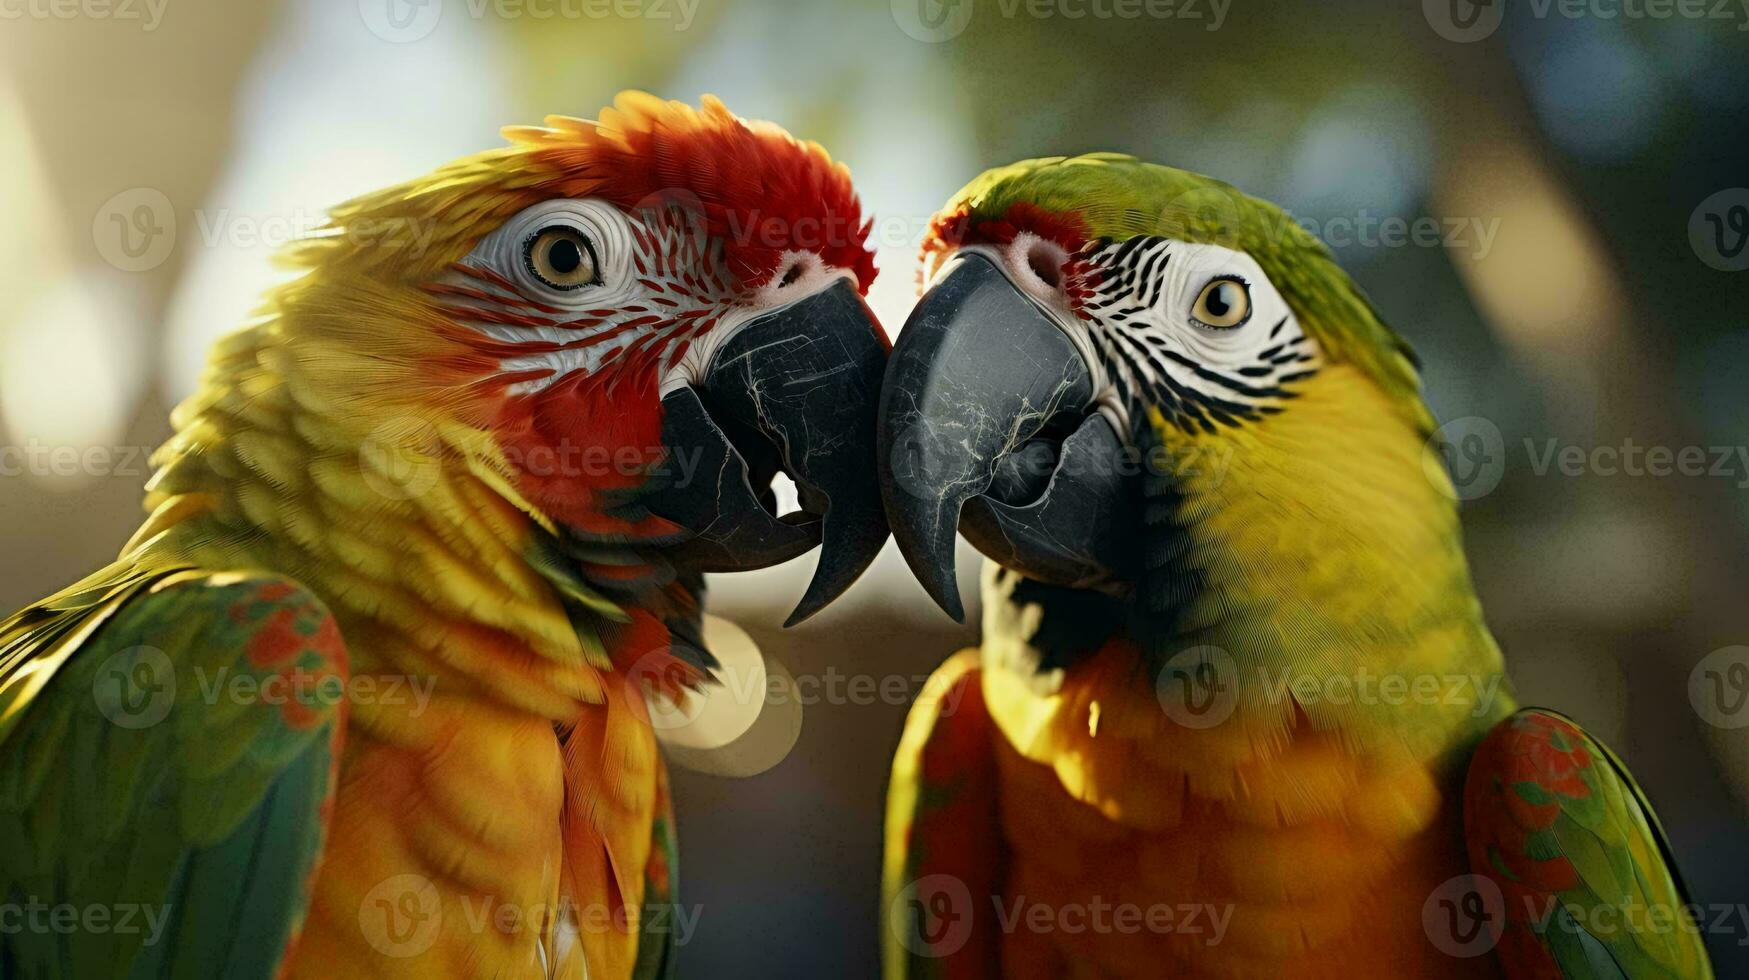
column 1551, row 207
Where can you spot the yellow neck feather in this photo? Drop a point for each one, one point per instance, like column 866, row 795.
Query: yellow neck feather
column 421, row 558
column 1329, row 544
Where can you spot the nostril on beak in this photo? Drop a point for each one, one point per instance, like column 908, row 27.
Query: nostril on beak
column 1038, row 266
column 790, row 275
column 1045, row 260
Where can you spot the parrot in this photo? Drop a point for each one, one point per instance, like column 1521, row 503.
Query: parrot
column 1235, row 710
column 367, row 693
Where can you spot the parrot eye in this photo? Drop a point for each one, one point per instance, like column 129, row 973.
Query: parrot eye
column 561, row 257
column 1223, row 304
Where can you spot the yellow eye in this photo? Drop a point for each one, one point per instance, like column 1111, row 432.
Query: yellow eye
column 561, row 257
column 1223, row 304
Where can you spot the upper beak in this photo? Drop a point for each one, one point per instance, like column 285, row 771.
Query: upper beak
column 796, row 390
column 989, row 406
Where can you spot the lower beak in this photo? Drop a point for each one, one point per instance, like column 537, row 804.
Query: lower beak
column 794, row 390
column 988, row 407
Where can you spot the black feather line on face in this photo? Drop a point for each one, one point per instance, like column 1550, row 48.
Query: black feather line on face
column 1128, row 280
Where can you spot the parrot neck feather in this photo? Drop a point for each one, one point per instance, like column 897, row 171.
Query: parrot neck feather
column 1332, row 570
column 1315, row 559
column 433, row 566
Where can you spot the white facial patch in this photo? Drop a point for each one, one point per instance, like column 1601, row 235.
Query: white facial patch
column 640, row 293
column 658, row 284
column 1162, row 314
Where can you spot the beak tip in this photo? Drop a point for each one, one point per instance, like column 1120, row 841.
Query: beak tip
column 806, row 609
column 941, row 581
column 950, row 603
column 844, row 555
column 798, row 385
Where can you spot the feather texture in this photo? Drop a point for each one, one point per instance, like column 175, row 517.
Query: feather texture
column 1270, row 729
column 500, row 807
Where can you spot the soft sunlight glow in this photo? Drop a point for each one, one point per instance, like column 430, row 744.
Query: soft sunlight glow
column 70, row 364
column 311, row 136
column 25, row 262
column 69, row 372
column 741, row 726
column 1546, row 284
column 722, row 712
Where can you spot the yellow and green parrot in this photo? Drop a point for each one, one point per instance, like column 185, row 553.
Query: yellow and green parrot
column 1236, row 712
column 364, row 696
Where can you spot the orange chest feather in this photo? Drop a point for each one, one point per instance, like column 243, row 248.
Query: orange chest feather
column 1134, row 843
column 467, row 839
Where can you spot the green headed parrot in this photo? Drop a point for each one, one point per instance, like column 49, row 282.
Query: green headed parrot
column 1236, row 712
column 365, row 694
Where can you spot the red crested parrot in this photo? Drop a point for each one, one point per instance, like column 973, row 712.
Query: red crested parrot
column 364, row 695
column 1235, row 712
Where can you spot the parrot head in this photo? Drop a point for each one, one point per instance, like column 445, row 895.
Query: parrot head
column 627, row 325
column 1108, row 349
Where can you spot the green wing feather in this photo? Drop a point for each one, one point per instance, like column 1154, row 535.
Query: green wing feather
column 661, row 913
column 1590, row 889
column 943, row 860
column 168, row 746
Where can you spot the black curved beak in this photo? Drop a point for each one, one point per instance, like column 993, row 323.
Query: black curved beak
column 794, row 391
column 988, row 408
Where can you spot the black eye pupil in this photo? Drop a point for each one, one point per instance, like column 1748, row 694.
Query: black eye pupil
column 564, row 257
column 1220, row 301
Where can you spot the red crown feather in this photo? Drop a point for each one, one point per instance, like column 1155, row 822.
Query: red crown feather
column 760, row 191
